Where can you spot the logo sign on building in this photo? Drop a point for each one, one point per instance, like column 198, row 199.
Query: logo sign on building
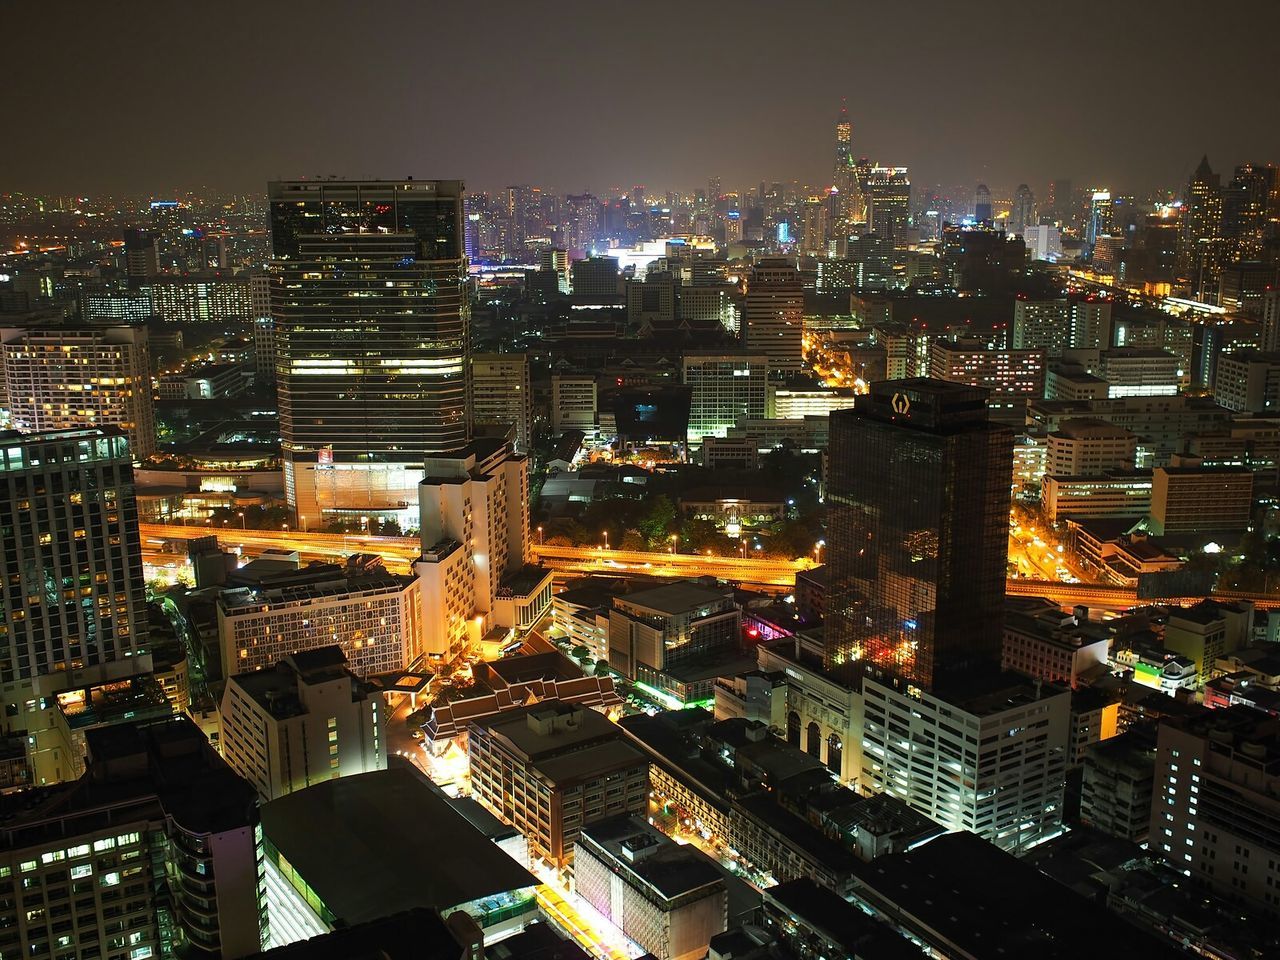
column 901, row 404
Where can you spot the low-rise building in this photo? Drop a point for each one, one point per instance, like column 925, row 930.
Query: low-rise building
column 308, row 720
column 1112, row 494
column 1199, row 499
column 550, row 769
column 1117, row 785
column 1042, row 641
column 668, row 898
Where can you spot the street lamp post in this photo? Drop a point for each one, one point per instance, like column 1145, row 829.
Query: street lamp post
column 540, row 541
column 675, row 538
column 606, row 539
column 242, row 522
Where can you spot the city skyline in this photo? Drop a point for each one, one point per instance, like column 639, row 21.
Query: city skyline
column 475, row 114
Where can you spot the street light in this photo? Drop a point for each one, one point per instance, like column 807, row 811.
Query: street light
column 675, row 538
column 606, row 539
column 242, row 523
column 540, row 536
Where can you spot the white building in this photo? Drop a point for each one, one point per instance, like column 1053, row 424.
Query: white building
column 308, row 720
column 991, row 760
column 474, row 567
column 573, row 404
column 375, row 617
column 61, row 378
column 1090, row 448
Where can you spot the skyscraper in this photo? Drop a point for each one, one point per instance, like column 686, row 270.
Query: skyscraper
column 851, row 205
column 918, row 499
column 501, row 394
column 1024, row 210
column 369, row 302
column 59, row 378
column 773, row 314
column 1200, row 245
column 1100, row 216
column 982, row 204
column 888, row 193
column 141, row 255
column 74, row 596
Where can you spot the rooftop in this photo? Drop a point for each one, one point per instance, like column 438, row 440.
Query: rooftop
column 671, row 869
column 676, row 598
column 390, row 843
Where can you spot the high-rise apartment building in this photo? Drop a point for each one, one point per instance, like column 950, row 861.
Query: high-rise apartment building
column 773, row 315
column 74, row 597
column 474, row 568
column 62, row 378
column 1006, row 373
column 1045, row 324
column 501, row 394
column 724, row 388
column 371, row 314
column 308, row 720
column 376, row 617
column 153, row 852
column 1200, row 245
column 551, row 769
column 1023, row 214
column 1216, row 811
column 918, row 516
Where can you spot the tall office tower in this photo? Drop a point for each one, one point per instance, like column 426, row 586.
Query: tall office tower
column 596, row 278
column 1042, row 323
column 814, row 219
column 474, row 569
column 141, row 255
column 851, row 205
column 982, row 205
column 556, row 260
column 1250, row 204
column 501, row 394
column 1060, row 202
column 773, row 314
column 60, row 378
column 1024, row 210
column 308, row 720
column 724, row 388
column 1215, row 809
column 888, row 193
column 1271, row 320
column 918, row 501
column 1200, row 245
column 74, row 595
column 1101, row 211
column 371, row 313
column 154, row 852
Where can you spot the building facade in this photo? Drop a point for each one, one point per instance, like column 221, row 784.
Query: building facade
column 501, row 394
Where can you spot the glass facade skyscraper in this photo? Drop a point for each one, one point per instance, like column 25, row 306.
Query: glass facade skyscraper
column 368, row 298
column 918, row 502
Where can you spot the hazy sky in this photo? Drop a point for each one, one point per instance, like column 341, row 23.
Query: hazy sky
column 144, row 96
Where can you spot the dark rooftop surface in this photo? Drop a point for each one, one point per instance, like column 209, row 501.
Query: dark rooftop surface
column 671, row 869
column 841, row 922
column 417, row 934
column 384, row 842
column 991, row 905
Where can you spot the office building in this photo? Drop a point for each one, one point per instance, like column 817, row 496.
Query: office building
column 574, row 404
column 1043, row 324
column 773, row 315
column 1248, row 381
column 1101, row 218
column 724, row 388
column 1207, row 632
column 501, row 394
column 377, row 618
column 369, row 384
column 201, row 298
column 872, row 259
column 667, row 897
column 1140, row 372
column 989, row 758
column 141, row 255
column 802, row 397
column 657, row 635
column 1091, row 324
column 1043, row 642
column 1113, row 493
column 116, row 306
column 888, row 193
column 308, row 720
column 552, row 769
column 356, row 849
column 1199, row 499
column 1023, row 214
column 474, row 568
column 556, row 260
column 153, row 852
column 264, row 328
column 62, row 378
column 1217, row 803
column 1271, row 320
column 596, row 279
column 1200, row 244
column 982, row 205
column 918, row 515
column 75, row 598
column 1044, row 242
column 1089, row 448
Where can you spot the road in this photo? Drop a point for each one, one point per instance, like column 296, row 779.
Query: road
column 163, row 543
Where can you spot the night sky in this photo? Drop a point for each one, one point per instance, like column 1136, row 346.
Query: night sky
column 149, row 97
